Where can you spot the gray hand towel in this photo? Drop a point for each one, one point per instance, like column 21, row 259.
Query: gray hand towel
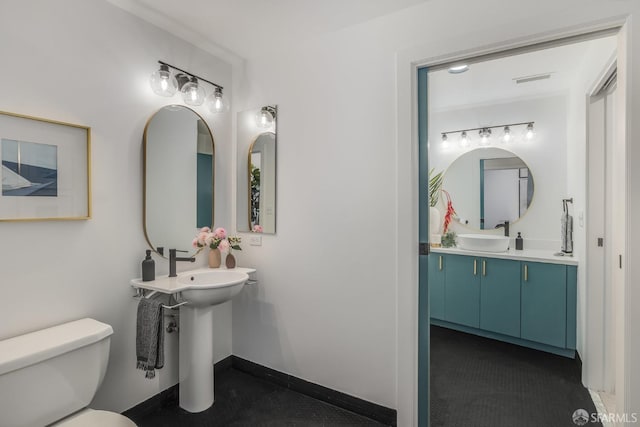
column 566, row 231
column 150, row 336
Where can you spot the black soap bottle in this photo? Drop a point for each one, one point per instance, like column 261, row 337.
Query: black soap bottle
column 519, row 242
column 148, row 268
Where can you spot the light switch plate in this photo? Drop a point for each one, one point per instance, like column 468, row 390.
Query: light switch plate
column 255, row 240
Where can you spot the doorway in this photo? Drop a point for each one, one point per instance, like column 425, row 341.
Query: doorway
column 554, row 155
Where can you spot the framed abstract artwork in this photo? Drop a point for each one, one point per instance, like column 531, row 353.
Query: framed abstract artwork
column 46, row 169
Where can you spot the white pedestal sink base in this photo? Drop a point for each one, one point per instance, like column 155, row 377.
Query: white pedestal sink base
column 196, row 358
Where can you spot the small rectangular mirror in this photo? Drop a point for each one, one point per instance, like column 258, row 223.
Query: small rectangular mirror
column 256, row 198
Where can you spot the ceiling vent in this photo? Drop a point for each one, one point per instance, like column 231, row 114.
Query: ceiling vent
column 533, row 78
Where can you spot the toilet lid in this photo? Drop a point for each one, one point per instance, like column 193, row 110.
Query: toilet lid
column 97, row 419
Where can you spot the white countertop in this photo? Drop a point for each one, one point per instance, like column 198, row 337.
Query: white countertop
column 170, row 285
column 534, row 255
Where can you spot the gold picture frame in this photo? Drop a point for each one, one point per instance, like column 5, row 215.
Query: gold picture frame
column 45, row 169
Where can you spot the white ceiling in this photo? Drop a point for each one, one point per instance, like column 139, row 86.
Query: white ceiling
column 234, row 29
column 492, row 81
column 250, row 27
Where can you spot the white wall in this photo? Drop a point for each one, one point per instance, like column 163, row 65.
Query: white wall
column 338, row 283
column 89, row 63
column 545, row 155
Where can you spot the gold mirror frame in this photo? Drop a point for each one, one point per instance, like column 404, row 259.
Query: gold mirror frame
column 249, row 175
column 144, row 174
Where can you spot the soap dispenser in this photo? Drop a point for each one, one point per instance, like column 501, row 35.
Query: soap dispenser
column 519, row 242
column 148, row 268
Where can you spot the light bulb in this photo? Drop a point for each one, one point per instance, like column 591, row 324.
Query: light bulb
column 484, row 136
column 193, row 93
column 445, row 141
column 507, row 134
column 216, row 102
column 530, row 131
column 264, row 118
column 162, row 82
column 464, row 142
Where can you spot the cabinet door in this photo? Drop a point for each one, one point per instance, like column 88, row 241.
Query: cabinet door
column 544, row 303
column 500, row 296
column 462, row 290
column 436, row 285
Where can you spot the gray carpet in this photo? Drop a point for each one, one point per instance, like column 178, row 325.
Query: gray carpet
column 478, row 382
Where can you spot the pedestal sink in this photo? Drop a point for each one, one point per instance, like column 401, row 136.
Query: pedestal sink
column 206, row 289
column 201, row 290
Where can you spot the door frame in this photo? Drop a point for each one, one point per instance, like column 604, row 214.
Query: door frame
column 410, row 355
column 595, row 370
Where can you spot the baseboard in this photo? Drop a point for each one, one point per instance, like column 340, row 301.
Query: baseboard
column 168, row 397
column 565, row 352
column 382, row 414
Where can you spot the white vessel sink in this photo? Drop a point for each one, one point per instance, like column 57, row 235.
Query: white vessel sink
column 211, row 287
column 483, row 242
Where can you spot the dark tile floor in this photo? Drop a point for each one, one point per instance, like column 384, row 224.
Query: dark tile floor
column 477, row 382
column 244, row 400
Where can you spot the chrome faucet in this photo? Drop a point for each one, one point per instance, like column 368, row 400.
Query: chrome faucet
column 172, row 261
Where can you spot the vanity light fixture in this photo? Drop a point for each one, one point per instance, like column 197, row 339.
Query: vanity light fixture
column 164, row 83
column 507, row 134
column 216, row 102
column 464, row 141
column 485, row 133
column 445, row 142
column 192, row 92
column 530, row 130
column 266, row 116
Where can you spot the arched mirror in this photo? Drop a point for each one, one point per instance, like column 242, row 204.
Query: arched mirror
column 262, row 183
column 257, row 136
column 489, row 186
column 178, row 177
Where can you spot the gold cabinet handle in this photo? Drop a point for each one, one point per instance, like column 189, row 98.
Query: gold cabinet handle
column 440, row 262
column 526, row 272
column 475, row 267
column 484, row 267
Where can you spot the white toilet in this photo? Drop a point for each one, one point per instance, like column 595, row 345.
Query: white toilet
column 48, row 377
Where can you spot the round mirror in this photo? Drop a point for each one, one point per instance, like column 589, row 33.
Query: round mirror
column 178, row 177
column 489, row 186
column 262, row 183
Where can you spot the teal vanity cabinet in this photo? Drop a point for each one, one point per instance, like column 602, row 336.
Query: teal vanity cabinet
column 500, row 296
column 462, row 290
column 544, row 303
column 532, row 304
column 480, row 292
column 436, row 286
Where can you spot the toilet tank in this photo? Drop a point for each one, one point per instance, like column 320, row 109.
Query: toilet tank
column 51, row 373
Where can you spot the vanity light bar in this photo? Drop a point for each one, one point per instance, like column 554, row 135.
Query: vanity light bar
column 190, row 74
column 165, row 83
column 485, row 132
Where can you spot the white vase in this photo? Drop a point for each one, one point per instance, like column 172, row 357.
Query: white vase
column 435, row 224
